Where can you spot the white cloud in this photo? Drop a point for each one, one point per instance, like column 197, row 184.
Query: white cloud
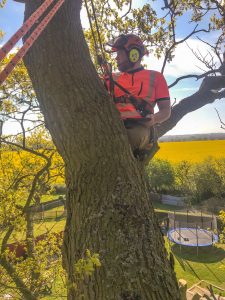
column 184, row 62
column 185, row 89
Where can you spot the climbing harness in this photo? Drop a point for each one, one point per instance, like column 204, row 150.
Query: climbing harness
column 140, row 105
column 31, row 39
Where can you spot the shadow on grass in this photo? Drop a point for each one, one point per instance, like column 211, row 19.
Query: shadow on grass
column 211, row 254
column 213, row 273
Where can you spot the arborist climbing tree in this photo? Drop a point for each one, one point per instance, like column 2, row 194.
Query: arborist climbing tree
column 135, row 92
column 108, row 207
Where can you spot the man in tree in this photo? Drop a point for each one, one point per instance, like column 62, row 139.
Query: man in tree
column 108, row 207
column 135, row 92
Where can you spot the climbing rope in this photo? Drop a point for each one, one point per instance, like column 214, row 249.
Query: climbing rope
column 99, row 49
column 24, row 29
column 91, row 26
column 97, row 28
column 31, row 39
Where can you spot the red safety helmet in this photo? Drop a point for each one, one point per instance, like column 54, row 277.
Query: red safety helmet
column 127, row 42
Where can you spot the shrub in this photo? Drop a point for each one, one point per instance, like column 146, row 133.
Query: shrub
column 221, row 226
column 161, row 175
column 199, row 181
column 59, row 189
column 184, row 177
column 207, row 182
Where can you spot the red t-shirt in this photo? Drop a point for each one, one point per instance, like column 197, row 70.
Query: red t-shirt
column 143, row 84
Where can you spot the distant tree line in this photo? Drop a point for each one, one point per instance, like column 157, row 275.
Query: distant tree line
column 193, row 137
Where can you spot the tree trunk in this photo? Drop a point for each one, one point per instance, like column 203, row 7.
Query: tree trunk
column 108, row 207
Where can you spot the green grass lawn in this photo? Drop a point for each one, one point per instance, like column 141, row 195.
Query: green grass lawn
column 208, row 264
column 39, row 228
column 53, row 226
column 49, row 197
column 165, row 207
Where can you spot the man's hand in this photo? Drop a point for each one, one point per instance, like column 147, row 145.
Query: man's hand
column 149, row 120
column 162, row 115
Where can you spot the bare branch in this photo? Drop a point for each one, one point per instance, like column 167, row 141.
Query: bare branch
column 189, row 104
column 169, row 51
column 211, row 46
column 212, row 84
column 129, row 9
column 193, row 76
column 222, row 123
column 4, row 140
column 174, row 102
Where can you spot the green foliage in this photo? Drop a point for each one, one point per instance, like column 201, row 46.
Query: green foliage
column 184, row 177
column 1, row 34
column 2, row 3
column 221, row 223
column 58, row 189
column 207, row 181
column 25, row 174
column 199, row 181
column 29, row 166
column 161, row 175
column 156, row 27
column 86, row 266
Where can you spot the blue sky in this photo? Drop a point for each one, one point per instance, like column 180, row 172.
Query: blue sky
column 204, row 120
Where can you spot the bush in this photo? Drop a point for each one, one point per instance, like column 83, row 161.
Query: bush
column 221, row 226
column 199, row 181
column 161, row 175
column 184, row 177
column 59, row 189
column 202, row 180
column 207, row 181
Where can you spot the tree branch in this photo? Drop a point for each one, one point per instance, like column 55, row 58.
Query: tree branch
column 168, row 52
column 222, row 123
column 187, row 105
column 129, row 9
column 18, row 281
column 193, row 76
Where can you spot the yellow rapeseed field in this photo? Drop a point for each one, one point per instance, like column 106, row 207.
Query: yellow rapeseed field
column 193, row 151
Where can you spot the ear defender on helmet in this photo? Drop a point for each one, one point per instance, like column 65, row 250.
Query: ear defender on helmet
column 134, row 55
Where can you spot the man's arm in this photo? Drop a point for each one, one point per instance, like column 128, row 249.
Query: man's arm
column 162, row 115
column 164, row 111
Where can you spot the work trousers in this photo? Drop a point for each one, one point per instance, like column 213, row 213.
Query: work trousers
column 138, row 135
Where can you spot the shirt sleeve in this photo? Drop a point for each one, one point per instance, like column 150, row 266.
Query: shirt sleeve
column 161, row 88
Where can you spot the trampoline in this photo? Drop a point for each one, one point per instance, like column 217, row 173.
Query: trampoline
column 192, row 237
column 192, row 228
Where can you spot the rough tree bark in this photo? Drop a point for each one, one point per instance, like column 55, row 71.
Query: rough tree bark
column 108, row 207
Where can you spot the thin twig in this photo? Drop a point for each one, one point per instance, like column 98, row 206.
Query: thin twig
column 222, row 123
column 129, row 9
